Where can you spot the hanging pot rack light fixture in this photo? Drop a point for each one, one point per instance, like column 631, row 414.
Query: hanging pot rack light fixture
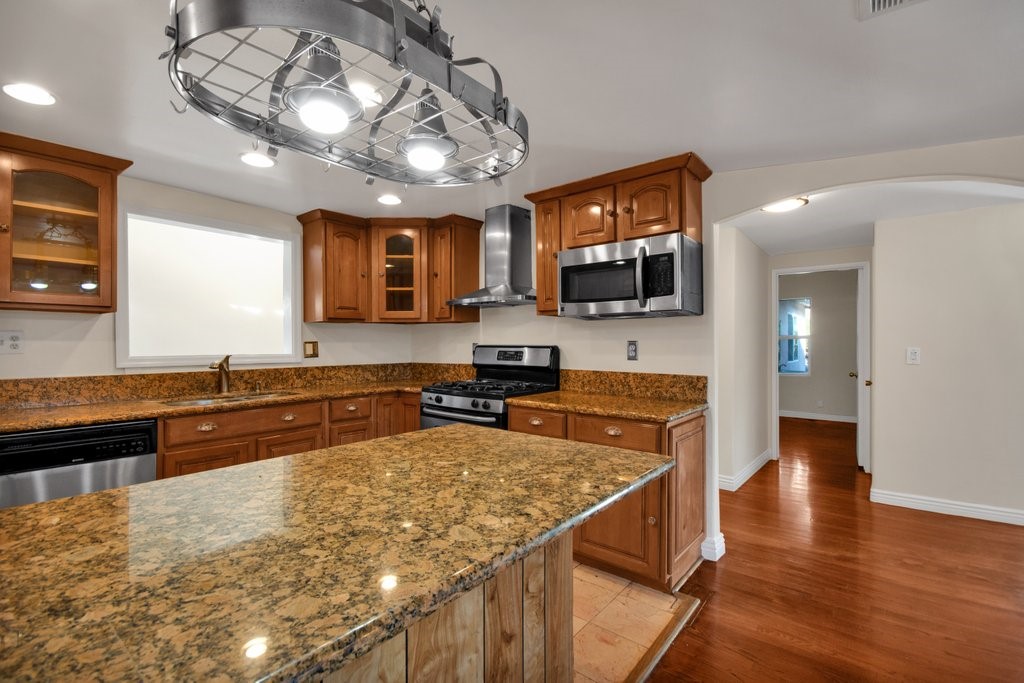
column 371, row 85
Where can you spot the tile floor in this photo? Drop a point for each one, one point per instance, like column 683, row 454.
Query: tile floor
column 615, row 621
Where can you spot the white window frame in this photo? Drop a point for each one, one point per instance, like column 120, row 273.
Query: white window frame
column 784, row 337
column 292, row 304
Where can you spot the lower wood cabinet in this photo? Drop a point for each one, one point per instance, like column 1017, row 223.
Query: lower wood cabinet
column 351, row 420
column 397, row 414
column 198, row 443
column 652, row 535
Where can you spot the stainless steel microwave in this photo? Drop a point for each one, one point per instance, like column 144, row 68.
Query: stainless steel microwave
column 650, row 277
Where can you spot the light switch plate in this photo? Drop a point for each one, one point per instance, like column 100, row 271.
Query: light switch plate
column 12, row 341
column 913, row 355
column 632, row 350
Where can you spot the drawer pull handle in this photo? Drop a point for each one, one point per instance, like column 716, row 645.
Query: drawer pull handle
column 206, row 426
column 351, row 407
column 288, row 417
column 613, row 431
column 536, row 422
column 652, row 520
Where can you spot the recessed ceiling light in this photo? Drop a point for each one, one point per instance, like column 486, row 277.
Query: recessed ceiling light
column 786, row 205
column 26, row 92
column 257, row 159
column 389, row 199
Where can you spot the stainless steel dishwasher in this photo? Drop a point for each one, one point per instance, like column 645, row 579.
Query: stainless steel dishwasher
column 56, row 463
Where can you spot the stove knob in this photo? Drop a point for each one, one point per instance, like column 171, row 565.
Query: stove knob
column 438, row 399
column 487, row 405
column 475, row 403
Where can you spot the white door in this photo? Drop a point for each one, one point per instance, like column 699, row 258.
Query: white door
column 864, row 367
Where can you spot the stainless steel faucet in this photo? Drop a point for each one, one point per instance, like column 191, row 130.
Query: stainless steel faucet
column 223, row 369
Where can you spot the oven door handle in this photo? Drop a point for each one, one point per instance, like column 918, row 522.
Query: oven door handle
column 459, row 416
column 638, row 276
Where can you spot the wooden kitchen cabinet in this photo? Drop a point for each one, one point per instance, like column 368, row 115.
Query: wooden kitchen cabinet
column 398, row 265
column 398, row 413
column 549, row 243
column 335, row 267
column 652, row 535
column 197, row 443
column 351, row 420
column 58, row 208
column 588, row 217
column 454, row 256
column 648, row 206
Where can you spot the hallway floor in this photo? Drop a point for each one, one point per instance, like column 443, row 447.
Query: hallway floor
column 819, row 583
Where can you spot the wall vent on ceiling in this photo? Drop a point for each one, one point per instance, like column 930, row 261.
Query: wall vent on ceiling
column 873, row 8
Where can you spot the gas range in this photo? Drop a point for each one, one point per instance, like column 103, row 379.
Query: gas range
column 502, row 372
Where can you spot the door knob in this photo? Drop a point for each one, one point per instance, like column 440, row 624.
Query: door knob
column 868, row 383
column 853, row 374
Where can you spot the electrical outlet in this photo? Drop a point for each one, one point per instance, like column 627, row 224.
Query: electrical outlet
column 632, row 350
column 913, row 355
column 12, row 341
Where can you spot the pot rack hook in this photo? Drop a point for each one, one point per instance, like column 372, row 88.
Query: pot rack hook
column 184, row 107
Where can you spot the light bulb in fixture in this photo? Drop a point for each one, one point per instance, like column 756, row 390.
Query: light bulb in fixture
column 367, row 94
column 427, row 144
column 322, row 99
column 32, row 94
column 786, row 205
column 257, row 159
column 389, row 199
column 424, row 157
column 321, row 114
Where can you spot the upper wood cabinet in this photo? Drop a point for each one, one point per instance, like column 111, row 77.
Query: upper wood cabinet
column 335, row 267
column 58, row 208
column 648, row 206
column 549, row 242
column 398, row 264
column 588, row 217
column 454, row 255
column 396, row 270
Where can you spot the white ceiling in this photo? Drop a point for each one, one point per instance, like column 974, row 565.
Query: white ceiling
column 604, row 84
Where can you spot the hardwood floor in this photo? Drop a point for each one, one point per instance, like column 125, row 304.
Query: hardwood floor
column 818, row 583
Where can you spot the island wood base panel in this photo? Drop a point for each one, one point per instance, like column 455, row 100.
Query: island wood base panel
column 517, row 626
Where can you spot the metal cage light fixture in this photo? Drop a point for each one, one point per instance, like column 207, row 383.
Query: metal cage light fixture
column 371, row 85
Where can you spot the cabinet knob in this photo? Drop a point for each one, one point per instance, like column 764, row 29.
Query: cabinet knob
column 436, row 275
column 351, row 407
column 4, row 227
column 612, row 213
column 536, row 421
column 652, row 520
column 613, row 431
column 627, row 210
column 288, row 417
column 362, row 274
column 206, row 426
column 381, row 274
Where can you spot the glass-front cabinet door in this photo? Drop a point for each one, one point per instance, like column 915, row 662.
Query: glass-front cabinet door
column 399, row 293
column 55, row 234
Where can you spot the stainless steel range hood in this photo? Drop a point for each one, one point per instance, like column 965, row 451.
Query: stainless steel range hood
column 508, row 264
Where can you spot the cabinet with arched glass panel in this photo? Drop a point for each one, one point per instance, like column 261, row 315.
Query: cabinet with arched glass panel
column 57, row 218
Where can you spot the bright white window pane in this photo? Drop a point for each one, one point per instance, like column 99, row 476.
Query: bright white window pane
column 794, row 336
column 197, row 291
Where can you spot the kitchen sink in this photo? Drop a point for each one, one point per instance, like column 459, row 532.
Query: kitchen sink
column 234, row 398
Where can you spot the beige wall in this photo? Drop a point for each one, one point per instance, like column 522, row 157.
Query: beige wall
column 950, row 428
column 828, row 257
column 827, row 391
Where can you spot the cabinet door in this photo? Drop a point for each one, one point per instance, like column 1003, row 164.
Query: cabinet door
column 389, row 412
column 686, row 496
column 203, row 458
column 648, row 206
column 441, row 273
column 398, row 293
column 409, row 407
column 628, row 534
column 346, row 262
column 289, row 443
column 56, row 235
column 588, row 218
column 549, row 242
column 351, row 431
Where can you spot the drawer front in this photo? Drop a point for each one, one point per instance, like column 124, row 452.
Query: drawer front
column 608, row 431
column 539, row 422
column 228, row 425
column 351, row 408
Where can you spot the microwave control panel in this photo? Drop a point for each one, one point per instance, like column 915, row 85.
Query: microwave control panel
column 660, row 275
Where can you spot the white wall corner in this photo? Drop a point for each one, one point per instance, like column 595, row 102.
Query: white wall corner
column 818, row 416
column 713, row 548
column 732, row 483
column 949, row 507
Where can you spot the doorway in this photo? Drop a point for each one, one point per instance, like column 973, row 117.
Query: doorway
column 815, row 390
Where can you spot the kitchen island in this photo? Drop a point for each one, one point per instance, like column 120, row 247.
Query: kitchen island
column 296, row 567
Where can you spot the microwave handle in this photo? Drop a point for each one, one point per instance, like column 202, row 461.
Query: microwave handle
column 638, row 275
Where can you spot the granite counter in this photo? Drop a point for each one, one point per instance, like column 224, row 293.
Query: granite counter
column 324, row 555
column 608, row 405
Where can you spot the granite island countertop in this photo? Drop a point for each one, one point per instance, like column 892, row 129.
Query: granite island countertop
column 609, row 405
column 325, row 554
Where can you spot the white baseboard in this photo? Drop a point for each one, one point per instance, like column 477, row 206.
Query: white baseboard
column 949, row 507
column 818, row 416
column 727, row 483
column 713, row 548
